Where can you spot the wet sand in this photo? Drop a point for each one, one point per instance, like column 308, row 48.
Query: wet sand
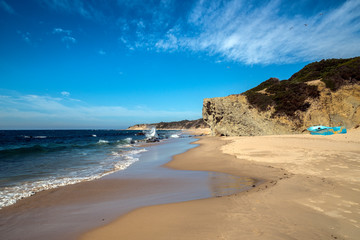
column 309, row 189
column 66, row 212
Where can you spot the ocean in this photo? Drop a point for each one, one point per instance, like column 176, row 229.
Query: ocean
column 36, row 160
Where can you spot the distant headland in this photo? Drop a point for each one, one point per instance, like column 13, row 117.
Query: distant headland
column 176, row 125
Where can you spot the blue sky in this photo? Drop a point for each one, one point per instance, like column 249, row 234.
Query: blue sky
column 114, row 63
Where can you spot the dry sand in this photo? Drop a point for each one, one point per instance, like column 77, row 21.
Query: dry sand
column 198, row 131
column 310, row 190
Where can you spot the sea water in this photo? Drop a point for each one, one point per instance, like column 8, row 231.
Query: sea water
column 36, row 160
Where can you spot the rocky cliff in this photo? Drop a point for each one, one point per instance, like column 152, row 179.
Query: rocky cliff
column 322, row 93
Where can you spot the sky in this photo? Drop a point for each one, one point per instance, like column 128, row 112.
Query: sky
column 101, row 64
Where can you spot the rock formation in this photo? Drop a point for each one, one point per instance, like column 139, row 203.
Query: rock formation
column 322, row 93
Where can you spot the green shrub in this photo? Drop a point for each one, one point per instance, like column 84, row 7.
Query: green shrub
column 288, row 96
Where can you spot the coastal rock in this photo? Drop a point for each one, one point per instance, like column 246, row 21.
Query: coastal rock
column 313, row 96
column 233, row 116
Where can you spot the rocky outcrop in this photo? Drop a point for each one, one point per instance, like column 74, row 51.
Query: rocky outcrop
column 291, row 106
column 178, row 125
column 234, row 116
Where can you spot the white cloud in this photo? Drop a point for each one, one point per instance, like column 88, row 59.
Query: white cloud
column 84, row 8
column 262, row 36
column 26, row 36
column 68, row 40
column 61, row 31
column 250, row 32
column 4, row 5
column 28, row 110
column 65, row 36
column 65, row 93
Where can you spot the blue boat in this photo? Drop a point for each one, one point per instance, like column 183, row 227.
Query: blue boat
column 323, row 130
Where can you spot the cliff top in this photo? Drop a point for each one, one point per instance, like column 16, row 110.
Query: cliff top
column 288, row 96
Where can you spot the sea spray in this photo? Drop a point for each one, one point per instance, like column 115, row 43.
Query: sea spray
column 152, row 133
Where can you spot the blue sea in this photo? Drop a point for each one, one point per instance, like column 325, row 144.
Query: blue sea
column 36, row 160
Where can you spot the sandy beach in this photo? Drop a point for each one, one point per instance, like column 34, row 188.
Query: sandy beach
column 308, row 188
column 67, row 212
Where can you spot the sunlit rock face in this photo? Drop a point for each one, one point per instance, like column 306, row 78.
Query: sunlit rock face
column 322, row 93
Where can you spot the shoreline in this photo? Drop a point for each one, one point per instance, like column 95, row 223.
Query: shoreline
column 310, row 191
column 76, row 208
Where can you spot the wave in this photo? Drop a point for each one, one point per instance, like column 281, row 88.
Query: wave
column 128, row 140
column 30, row 150
column 54, row 147
column 102, row 141
column 10, row 195
column 37, row 137
column 128, row 158
column 119, row 161
column 152, row 133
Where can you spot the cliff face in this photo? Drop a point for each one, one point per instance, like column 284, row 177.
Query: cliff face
column 291, row 106
column 233, row 116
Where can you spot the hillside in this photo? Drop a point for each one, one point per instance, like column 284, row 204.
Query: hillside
column 325, row 92
column 184, row 124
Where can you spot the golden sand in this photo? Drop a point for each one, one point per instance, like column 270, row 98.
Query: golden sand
column 311, row 191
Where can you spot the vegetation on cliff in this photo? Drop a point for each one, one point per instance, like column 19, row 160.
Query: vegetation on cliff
column 333, row 72
column 184, row 124
column 289, row 96
column 285, row 96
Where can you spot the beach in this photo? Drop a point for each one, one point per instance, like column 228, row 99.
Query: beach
column 261, row 187
column 66, row 212
column 307, row 187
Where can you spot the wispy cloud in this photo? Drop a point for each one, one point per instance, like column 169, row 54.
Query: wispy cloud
column 86, row 9
column 26, row 36
column 245, row 31
column 4, row 5
column 42, row 110
column 68, row 39
column 262, row 35
column 65, row 36
column 61, row 31
column 65, row 93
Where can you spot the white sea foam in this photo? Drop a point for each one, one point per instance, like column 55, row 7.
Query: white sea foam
column 121, row 145
column 10, row 195
column 120, row 160
column 39, row 137
column 94, row 135
column 129, row 158
column 174, row 136
column 128, row 140
column 152, row 133
column 102, row 141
